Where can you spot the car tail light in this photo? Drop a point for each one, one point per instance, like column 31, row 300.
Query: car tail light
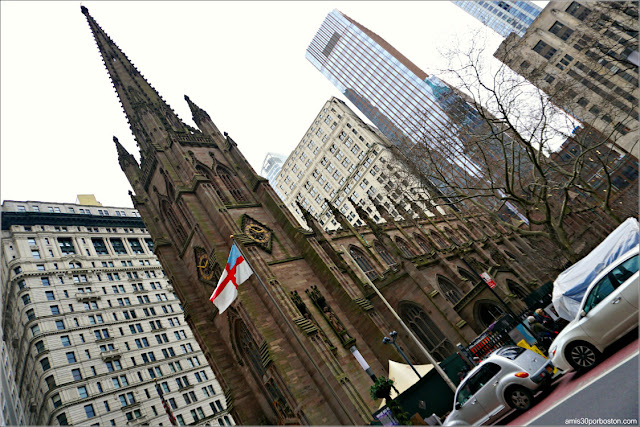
column 553, row 352
column 522, row 375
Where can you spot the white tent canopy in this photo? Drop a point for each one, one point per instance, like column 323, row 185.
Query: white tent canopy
column 403, row 376
column 570, row 286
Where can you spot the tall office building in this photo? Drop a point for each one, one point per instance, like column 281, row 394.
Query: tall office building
column 91, row 324
column 503, row 17
column 420, row 114
column 271, row 166
column 390, row 91
column 584, row 55
column 339, row 159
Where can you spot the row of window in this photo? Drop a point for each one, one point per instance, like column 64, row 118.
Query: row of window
column 85, row 211
column 128, row 399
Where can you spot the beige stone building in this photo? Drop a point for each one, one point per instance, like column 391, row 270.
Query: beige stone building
column 341, row 158
column 584, row 55
column 90, row 322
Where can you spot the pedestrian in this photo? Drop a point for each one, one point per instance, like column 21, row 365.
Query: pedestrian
column 545, row 320
column 544, row 335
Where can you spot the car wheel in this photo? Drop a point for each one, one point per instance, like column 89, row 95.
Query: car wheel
column 519, row 398
column 582, row 355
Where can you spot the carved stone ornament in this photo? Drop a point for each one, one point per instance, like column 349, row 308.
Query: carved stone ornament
column 208, row 268
column 336, row 324
column 257, row 233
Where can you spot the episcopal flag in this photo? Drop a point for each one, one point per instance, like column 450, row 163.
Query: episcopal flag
column 236, row 272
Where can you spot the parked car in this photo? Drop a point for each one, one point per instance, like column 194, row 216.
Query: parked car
column 506, row 379
column 609, row 310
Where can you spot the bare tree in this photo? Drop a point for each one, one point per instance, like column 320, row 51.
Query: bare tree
column 495, row 150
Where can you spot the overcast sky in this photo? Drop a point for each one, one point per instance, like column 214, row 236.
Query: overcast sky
column 243, row 62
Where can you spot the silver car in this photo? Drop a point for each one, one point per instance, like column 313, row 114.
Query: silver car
column 507, row 379
column 609, row 310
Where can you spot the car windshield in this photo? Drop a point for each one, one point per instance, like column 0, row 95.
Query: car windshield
column 625, row 270
column 510, row 352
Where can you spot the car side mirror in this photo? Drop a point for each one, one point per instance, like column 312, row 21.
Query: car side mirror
column 458, row 405
column 582, row 313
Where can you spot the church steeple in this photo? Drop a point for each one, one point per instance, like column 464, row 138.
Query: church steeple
column 150, row 117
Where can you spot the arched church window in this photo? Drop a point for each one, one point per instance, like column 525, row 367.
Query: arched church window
column 251, row 353
column 426, row 330
column 437, row 238
column 207, row 172
column 170, row 192
column 451, row 235
column 449, row 290
column 404, row 248
column 385, row 255
column 363, row 262
column 465, row 233
column 487, row 312
column 250, row 350
column 422, row 243
column 517, row 289
column 475, row 232
column 173, row 220
column 467, row 275
column 230, row 183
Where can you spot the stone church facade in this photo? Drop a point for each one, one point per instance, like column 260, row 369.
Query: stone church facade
column 282, row 352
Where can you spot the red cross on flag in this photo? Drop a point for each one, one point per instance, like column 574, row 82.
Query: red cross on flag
column 485, row 276
column 236, row 272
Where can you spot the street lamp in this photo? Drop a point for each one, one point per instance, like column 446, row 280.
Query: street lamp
column 363, row 363
column 392, row 340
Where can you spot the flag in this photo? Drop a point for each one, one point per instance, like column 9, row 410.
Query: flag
column 236, row 272
column 166, row 406
column 485, row 276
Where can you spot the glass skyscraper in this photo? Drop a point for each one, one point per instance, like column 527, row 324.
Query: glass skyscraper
column 271, row 167
column 396, row 95
column 412, row 109
column 503, row 17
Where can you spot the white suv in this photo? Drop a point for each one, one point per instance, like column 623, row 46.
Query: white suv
column 608, row 311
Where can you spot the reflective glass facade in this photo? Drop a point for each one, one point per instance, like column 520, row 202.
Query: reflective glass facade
column 399, row 98
column 271, row 167
column 409, row 107
column 503, row 17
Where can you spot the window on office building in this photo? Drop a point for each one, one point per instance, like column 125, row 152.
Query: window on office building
column 66, row 245
column 561, row 30
column 544, row 49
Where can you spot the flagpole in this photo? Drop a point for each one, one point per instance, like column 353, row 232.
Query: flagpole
column 293, row 332
column 404, row 325
column 165, row 404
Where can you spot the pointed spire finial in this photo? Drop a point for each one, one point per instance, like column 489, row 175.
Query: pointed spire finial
column 197, row 113
column 84, row 10
column 124, row 156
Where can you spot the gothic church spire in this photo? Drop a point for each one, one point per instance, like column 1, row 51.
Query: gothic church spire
column 150, row 117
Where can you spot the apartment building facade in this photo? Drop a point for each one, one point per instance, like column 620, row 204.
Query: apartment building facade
column 343, row 161
column 11, row 409
column 503, row 17
column 92, row 324
column 584, row 55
